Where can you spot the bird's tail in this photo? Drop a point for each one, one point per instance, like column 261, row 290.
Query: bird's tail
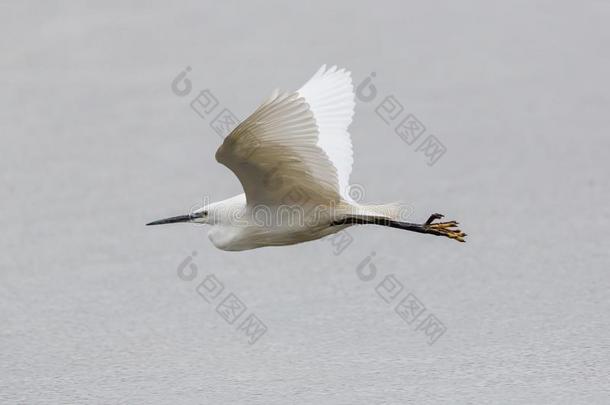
column 397, row 210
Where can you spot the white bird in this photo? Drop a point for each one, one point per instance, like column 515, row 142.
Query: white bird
column 293, row 157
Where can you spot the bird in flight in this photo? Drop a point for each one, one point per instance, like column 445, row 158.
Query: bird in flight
column 293, row 157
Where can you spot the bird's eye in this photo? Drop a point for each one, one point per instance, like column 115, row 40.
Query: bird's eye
column 205, row 213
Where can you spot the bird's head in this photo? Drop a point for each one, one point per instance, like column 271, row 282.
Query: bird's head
column 198, row 216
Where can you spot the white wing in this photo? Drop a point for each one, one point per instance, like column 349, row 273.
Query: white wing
column 295, row 147
column 330, row 96
column 275, row 156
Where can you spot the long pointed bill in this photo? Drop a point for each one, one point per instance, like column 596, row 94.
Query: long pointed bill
column 173, row 220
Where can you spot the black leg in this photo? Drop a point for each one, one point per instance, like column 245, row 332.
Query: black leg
column 447, row 229
column 433, row 217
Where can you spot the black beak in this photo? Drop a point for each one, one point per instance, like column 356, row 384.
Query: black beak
column 173, row 220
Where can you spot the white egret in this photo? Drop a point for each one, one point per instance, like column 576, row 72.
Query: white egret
column 293, row 157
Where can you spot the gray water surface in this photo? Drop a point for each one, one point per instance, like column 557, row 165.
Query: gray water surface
column 95, row 144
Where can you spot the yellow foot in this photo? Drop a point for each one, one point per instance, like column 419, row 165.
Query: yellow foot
column 448, row 229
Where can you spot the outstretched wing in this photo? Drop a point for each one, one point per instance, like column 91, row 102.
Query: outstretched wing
column 330, row 96
column 275, row 156
column 295, row 146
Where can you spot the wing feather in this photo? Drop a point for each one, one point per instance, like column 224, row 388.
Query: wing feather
column 330, row 96
column 296, row 144
column 274, row 154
